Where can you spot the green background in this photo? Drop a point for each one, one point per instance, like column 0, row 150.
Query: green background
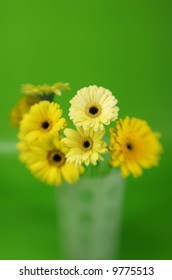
column 122, row 45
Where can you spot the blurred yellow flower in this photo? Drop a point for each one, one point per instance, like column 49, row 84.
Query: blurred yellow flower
column 47, row 161
column 24, row 149
column 84, row 146
column 42, row 118
column 134, row 146
column 22, row 108
column 45, row 89
column 93, row 107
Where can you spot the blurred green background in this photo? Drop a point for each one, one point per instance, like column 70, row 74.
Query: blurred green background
column 119, row 44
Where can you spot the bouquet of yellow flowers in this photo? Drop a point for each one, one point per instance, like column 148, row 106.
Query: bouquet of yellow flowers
column 54, row 152
column 86, row 154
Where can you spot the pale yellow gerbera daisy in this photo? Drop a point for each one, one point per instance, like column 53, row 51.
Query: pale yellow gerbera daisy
column 22, row 108
column 45, row 89
column 134, row 146
column 42, row 118
column 47, row 161
column 93, row 107
column 84, row 146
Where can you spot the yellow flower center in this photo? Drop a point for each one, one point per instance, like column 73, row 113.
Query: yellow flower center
column 87, row 144
column 93, row 110
column 56, row 158
column 131, row 149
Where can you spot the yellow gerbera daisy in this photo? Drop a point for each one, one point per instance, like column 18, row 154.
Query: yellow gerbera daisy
column 45, row 89
column 47, row 161
column 134, row 146
column 42, row 118
column 93, row 107
column 24, row 148
column 22, row 108
column 84, row 146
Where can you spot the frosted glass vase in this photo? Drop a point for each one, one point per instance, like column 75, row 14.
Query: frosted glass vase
column 89, row 217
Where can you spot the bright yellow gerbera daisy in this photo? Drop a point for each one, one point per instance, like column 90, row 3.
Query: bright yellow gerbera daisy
column 45, row 89
column 47, row 161
column 42, row 118
column 84, row 146
column 134, row 146
column 93, row 107
column 22, row 108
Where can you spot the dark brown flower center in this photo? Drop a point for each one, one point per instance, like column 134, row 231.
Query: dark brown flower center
column 93, row 110
column 129, row 146
column 86, row 144
column 45, row 124
column 57, row 158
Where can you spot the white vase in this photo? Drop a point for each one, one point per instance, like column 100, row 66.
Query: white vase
column 89, row 217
